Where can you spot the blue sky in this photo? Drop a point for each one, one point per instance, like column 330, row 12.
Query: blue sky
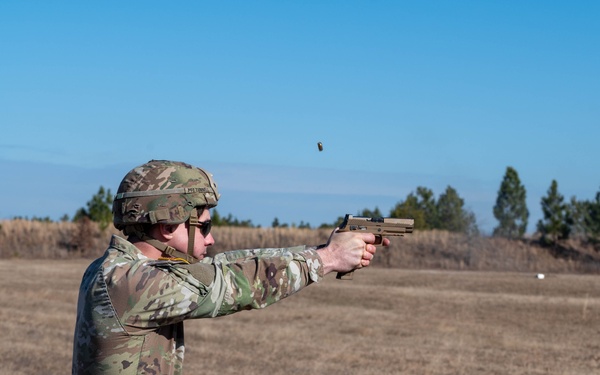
column 402, row 94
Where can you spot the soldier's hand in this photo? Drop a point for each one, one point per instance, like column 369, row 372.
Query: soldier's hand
column 347, row 251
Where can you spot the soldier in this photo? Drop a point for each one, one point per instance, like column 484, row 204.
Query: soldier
column 133, row 300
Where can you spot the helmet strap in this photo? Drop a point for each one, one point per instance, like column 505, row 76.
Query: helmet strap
column 192, row 224
column 166, row 249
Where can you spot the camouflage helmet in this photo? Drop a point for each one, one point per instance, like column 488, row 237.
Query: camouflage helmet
column 162, row 191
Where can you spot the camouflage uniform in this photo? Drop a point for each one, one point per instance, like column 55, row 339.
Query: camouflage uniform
column 131, row 308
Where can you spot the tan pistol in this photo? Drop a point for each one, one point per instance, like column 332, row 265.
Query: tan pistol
column 379, row 226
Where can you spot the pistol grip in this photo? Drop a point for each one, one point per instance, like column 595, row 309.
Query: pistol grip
column 345, row 275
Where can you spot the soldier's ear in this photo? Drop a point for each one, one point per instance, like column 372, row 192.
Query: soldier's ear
column 167, row 230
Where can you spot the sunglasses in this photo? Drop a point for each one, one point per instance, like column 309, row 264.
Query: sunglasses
column 204, row 226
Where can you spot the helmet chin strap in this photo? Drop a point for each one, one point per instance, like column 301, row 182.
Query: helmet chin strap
column 170, row 250
column 192, row 224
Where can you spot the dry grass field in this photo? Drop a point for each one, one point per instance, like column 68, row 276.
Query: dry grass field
column 385, row 321
column 420, row 250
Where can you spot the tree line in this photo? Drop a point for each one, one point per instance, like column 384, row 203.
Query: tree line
column 561, row 220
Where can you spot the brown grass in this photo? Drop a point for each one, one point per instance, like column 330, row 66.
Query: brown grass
column 412, row 313
column 386, row 321
column 421, row 250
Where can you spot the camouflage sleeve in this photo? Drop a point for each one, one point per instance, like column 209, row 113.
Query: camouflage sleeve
column 241, row 280
column 258, row 278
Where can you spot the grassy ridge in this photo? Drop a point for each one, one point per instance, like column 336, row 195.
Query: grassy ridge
column 421, row 250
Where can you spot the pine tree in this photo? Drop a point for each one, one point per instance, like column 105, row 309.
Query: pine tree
column 579, row 212
column 275, row 223
column 99, row 208
column 511, row 209
column 556, row 224
column 426, row 203
column 451, row 213
column 592, row 220
column 215, row 218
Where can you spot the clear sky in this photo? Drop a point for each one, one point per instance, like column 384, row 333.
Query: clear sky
column 402, row 94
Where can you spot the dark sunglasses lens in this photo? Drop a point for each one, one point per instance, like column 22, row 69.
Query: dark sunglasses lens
column 205, row 228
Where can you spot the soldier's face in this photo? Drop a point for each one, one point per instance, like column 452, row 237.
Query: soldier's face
column 201, row 242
